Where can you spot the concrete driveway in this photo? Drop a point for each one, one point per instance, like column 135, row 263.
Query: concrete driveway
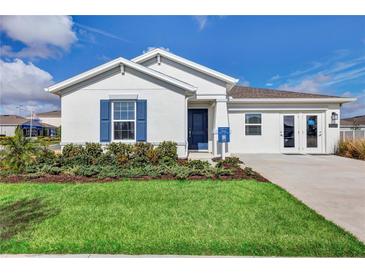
column 331, row 185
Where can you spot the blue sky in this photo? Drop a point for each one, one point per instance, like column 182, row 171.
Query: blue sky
column 321, row 54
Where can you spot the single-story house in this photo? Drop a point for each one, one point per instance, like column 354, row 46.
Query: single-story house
column 352, row 128
column 160, row 96
column 51, row 117
column 9, row 123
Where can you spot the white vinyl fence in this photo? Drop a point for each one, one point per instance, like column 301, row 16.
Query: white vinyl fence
column 351, row 134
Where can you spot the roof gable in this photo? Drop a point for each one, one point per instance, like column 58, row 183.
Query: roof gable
column 57, row 88
column 160, row 52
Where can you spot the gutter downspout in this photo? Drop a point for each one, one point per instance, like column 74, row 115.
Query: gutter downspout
column 186, row 125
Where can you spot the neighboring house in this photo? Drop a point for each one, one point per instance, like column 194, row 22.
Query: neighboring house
column 52, row 117
column 9, row 123
column 352, row 128
column 160, row 96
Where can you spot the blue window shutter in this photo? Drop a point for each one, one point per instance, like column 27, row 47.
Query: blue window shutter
column 105, row 121
column 141, row 120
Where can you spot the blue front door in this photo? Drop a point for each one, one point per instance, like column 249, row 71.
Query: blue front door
column 198, row 129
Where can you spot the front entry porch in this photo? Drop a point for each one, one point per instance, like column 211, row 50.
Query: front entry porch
column 204, row 156
column 204, row 116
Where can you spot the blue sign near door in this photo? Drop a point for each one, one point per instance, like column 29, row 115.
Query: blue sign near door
column 223, row 135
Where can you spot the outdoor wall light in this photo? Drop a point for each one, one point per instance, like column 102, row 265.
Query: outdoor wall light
column 334, row 118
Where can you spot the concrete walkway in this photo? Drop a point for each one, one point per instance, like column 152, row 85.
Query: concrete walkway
column 331, row 185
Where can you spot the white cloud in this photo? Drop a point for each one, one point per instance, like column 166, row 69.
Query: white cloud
column 152, row 48
column 22, row 84
column 269, row 84
column 101, row 32
column 330, row 76
column 312, row 84
column 44, row 36
column 244, row 82
column 202, row 21
column 30, row 52
column 354, row 108
column 275, row 77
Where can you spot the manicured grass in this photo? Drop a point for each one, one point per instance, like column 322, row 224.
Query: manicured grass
column 166, row 217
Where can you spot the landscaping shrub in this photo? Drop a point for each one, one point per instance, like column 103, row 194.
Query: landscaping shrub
column 46, row 156
column 223, row 172
column 249, row 171
column 81, row 160
column 31, row 169
column 352, row 149
column 71, row 170
column 88, row 171
column 49, row 139
column 133, row 172
column 179, row 172
column 198, row 164
column 154, row 171
column 153, row 156
column 117, row 148
column 49, row 169
column 109, row 172
column 122, row 152
column 106, row 159
column 200, row 168
column 72, row 150
column 4, row 139
column 18, row 152
column 120, row 160
column 167, row 152
column 93, row 150
column 140, row 154
column 229, row 162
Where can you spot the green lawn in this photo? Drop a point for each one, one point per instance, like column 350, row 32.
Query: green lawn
column 166, row 217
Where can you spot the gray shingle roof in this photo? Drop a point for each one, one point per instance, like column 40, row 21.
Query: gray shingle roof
column 55, row 113
column 250, row 92
column 12, row 120
column 359, row 120
column 15, row 120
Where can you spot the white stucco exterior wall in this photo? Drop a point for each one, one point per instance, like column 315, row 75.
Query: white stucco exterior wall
column 54, row 121
column 332, row 134
column 7, row 130
column 267, row 142
column 270, row 140
column 165, row 108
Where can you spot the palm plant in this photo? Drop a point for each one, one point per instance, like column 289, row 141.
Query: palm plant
column 19, row 151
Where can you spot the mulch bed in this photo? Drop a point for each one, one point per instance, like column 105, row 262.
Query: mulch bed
column 239, row 174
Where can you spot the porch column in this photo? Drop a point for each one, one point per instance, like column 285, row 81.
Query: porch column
column 220, row 120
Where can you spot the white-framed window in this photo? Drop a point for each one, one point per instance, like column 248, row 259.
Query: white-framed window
column 253, row 124
column 124, row 120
